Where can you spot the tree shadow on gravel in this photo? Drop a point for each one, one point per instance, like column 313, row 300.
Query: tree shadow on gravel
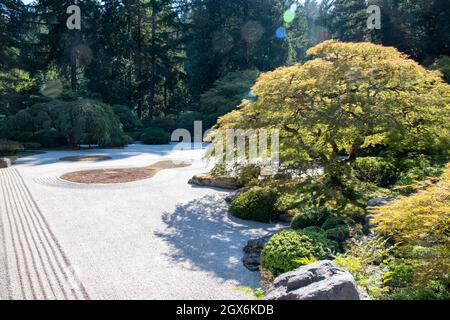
column 203, row 236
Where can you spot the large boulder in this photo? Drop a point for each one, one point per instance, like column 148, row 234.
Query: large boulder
column 5, row 162
column 321, row 280
column 223, row 182
column 252, row 250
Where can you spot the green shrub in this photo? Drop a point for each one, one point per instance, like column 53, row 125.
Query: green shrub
column 338, row 234
column 186, row 120
column 309, row 218
column 377, row 170
column 249, row 173
column 135, row 135
column 88, row 122
column 226, row 93
column 319, row 236
column 257, row 204
column 399, row 275
column 282, row 251
column 128, row 119
column 49, row 138
column 8, row 147
column 24, row 136
column 155, row 136
column 419, row 294
column 414, row 170
column 167, row 124
column 334, row 221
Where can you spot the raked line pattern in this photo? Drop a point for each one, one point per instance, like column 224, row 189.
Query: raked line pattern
column 36, row 266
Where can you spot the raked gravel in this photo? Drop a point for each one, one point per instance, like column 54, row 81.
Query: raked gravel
column 159, row 238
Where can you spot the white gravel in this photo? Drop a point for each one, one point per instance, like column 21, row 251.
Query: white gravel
column 159, row 238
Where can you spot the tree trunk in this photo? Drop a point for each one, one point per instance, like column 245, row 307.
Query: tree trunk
column 153, row 61
column 139, row 65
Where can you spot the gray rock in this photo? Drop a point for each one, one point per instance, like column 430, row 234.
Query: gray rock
column 321, row 280
column 223, row 182
column 378, row 202
column 252, row 250
column 5, row 162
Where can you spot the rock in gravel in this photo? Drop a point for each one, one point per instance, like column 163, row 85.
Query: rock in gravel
column 378, row 202
column 252, row 250
column 223, row 182
column 5, row 162
column 321, row 280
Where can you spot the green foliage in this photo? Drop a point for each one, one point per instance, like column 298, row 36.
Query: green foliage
column 419, row 294
column 256, row 204
column 155, row 136
column 249, row 174
column 284, row 249
column 169, row 125
column 399, row 275
column 366, row 260
column 186, row 120
column 225, row 95
column 310, row 217
column 127, row 117
column 8, row 147
column 415, row 170
column 89, row 122
column 380, row 171
column 334, row 221
column 135, row 135
column 338, row 234
column 443, row 65
column 359, row 109
column 49, row 138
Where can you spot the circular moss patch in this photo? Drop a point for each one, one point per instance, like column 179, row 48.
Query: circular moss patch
column 85, row 158
column 121, row 175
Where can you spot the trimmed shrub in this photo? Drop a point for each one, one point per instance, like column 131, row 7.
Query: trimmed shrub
column 168, row 125
column 257, row 204
column 338, row 234
column 282, row 251
column 155, row 136
column 319, row 236
column 49, row 138
column 333, row 221
column 129, row 120
column 377, row 170
column 8, row 147
column 313, row 217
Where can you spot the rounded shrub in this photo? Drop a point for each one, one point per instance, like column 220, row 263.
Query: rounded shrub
column 128, row 119
column 334, row 221
column 282, row 251
column 50, row 138
column 313, row 217
column 257, row 204
column 338, row 234
column 378, row 170
column 155, row 136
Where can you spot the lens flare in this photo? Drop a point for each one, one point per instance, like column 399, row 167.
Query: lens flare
column 280, row 33
column 289, row 16
column 52, row 89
